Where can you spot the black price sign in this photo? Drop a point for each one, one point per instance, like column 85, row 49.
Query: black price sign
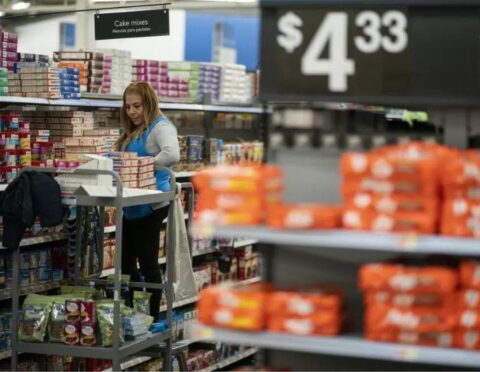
column 379, row 54
column 132, row 24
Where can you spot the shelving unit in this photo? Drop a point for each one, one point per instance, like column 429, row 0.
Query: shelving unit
column 6, row 294
column 231, row 360
column 177, row 304
column 5, row 354
column 47, row 238
column 350, row 346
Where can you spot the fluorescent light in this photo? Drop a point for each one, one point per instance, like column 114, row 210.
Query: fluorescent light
column 21, row 5
column 2, row 13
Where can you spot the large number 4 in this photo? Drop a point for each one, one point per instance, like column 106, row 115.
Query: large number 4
column 332, row 32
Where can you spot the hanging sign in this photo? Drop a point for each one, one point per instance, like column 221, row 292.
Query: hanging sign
column 371, row 52
column 132, row 24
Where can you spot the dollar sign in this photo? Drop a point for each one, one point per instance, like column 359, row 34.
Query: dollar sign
column 290, row 36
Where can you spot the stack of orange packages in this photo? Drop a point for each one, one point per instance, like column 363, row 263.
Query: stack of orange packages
column 409, row 304
column 309, row 311
column 306, row 311
column 461, row 189
column 237, row 194
column 393, row 189
column 467, row 335
column 234, row 306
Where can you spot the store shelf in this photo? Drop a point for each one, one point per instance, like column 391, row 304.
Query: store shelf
column 231, row 360
column 234, row 109
column 206, row 251
column 237, row 244
column 24, row 100
column 343, row 239
column 5, row 354
column 96, row 352
column 47, row 238
column 257, row 279
column 349, row 346
column 5, row 294
column 107, row 272
column 244, row 243
column 130, row 363
column 178, row 304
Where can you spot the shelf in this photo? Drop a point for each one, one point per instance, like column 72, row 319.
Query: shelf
column 5, row 294
column 237, row 244
column 130, row 363
column 344, row 239
column 231, row 360
column 178, row 304
column 97, row 352
column 5, row 354
column 111, row 271
column 115, row 101
column 254, row 280
column 206, row 251
column 244, row 243
column 47, row 238
column 349, row 346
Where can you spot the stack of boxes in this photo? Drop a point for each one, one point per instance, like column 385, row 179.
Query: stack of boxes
column 93, row 78
column 467, row 334
column 76, row 148
column 8, row 52
column 149, row 71
column 135, row 171
column 409, row 304
column 233, row 84
column 15, row 147
column 30, row 57
column 209, row 81
column 394, row 189
column 120, row 69
column 461, row 190
column 4, row 82
column 36, row 79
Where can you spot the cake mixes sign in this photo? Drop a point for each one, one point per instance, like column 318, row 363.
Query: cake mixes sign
column 132, row 24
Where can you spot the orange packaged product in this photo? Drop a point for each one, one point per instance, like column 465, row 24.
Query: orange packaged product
column 470, row 274
column 392, row 203
column 238, row 217
column 304, row 302
column 245, row 320
column 304, row 216
column 469, row 299
column 467, row 339
column 461, row 172
column 380, row 318
column 440, row 339
column 407, row 279
column 460, row 209
column 229, row 201
column 322, row 323
column 401, row 222
column 240, row 179
column 462, row 191
column 468, row 319
column 415, row 188
column 406, row 300
column 464, row 228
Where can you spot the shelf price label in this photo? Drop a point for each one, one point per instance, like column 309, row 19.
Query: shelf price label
column 327, row 53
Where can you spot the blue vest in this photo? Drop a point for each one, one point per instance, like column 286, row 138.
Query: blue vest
column 163, row 178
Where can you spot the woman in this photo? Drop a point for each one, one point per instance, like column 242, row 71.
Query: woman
column 148, row 133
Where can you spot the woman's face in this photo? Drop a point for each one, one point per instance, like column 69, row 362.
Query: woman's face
column 134, row 107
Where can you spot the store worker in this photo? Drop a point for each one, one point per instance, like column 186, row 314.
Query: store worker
column 148, row 133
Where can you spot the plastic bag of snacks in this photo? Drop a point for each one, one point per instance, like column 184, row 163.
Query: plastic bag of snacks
column 57, row 320
column 141, row 301
column 36, row 314
column 105, row 322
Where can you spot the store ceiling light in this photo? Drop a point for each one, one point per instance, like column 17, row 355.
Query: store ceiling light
column 2, row 13
column 21, row 5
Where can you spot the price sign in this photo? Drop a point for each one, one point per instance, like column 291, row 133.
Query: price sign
column 371, row 54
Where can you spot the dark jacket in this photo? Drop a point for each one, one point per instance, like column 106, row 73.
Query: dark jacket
column 30, row 195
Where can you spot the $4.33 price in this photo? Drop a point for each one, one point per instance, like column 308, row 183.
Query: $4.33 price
column 333, row 33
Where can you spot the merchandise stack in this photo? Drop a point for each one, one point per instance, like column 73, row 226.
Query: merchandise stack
column 467, row 334
column 233, row 84
column 37, row 79
column 310, row 310
column 120, row 70
column 8, row 53
column 209, row 81
column 93, row 78
column 409, row 304
column 394, row 189
column 135, row 171
column 31, row 57
column 4, row 81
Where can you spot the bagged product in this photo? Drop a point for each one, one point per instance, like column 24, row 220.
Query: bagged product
column 141, row 301
column 57, row 320
column 36, row 313
column 105, row 322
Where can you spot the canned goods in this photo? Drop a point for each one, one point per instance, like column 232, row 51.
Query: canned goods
column 34, row 258
column 88, row 313
column 24, row 278
column 87, row 335
column 34, row 276
column 44, row 258
column 72, row 333
column 24, row 260
column 72, row 310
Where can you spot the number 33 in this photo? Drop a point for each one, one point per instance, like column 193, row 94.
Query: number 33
column 371, row 23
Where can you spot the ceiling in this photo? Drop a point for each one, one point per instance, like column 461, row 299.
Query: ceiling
column 53, row 6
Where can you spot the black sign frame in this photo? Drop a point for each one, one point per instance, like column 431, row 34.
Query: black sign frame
column 146, row 23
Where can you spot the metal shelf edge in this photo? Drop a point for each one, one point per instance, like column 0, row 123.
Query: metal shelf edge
column 230, row 360
column 48, row 238
column 345, row 345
